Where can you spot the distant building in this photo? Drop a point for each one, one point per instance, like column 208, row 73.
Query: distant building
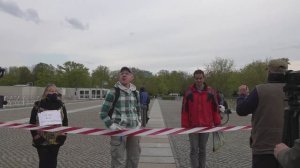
column 91, row 93
column 174, row 94
column 23, row 95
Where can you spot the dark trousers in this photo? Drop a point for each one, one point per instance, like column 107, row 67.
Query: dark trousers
column 264, row 161
column 48, row 156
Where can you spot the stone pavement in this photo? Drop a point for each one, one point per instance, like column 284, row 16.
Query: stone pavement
column 94, row 151
column 156, row 150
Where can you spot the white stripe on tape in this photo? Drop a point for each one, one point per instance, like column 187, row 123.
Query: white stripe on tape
column 170, row 131
column 214, row 129
column 150, row 131
column 192, row 130
column 79, row 130
column 100, row 132
column 235, row 128
column 58, row 129
column 19, row 126
column 5, row 124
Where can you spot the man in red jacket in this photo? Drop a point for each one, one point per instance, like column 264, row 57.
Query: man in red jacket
column 199, row 109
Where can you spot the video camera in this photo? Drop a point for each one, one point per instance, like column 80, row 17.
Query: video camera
column 2, row 70
column 292, row 112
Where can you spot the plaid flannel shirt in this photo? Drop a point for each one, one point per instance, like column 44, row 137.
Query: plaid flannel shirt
column 126, row 111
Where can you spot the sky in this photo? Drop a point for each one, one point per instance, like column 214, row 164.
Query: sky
column 152, row 35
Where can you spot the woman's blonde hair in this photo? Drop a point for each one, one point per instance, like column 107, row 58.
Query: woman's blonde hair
column 47, row 89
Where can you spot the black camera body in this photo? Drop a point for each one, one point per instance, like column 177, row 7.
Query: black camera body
column 2, row 70
column 292, row 77
column 291, row 130
column 292, row 88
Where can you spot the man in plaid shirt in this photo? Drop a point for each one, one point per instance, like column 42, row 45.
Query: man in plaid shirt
column 125, row 114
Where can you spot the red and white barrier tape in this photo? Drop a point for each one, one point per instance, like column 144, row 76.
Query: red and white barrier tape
column 127, row 132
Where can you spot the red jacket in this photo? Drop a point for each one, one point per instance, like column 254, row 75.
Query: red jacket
column 200, row 109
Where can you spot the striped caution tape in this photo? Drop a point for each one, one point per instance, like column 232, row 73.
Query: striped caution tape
column 123, row 132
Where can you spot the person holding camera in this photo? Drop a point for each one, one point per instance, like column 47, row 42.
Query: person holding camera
column 266, row 104
column 288, row 152
column 288, row 157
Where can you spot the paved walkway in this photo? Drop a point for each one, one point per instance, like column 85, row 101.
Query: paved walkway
column 94, row 151
column 156, row 150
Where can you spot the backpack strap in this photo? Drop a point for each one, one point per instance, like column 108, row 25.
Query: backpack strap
column 116, row 97
column 189, row 97
column 137, row 100
column 136, row 96
column 212, row 96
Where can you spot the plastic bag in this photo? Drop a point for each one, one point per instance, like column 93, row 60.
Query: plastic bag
column 218, row 140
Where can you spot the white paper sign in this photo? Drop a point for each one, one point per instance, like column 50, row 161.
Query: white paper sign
column 49, row 117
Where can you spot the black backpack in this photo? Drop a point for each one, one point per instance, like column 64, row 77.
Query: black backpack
column 117, row 95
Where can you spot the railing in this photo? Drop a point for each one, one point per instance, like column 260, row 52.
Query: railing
column 13, row 101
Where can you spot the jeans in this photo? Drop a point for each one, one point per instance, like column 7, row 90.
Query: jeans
column 125, row 146
column 48, row 156
column 198, row 149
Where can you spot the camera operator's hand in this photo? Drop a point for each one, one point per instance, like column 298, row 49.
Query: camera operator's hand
column 278, row 148
column 221, row 108
column 243, row 90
